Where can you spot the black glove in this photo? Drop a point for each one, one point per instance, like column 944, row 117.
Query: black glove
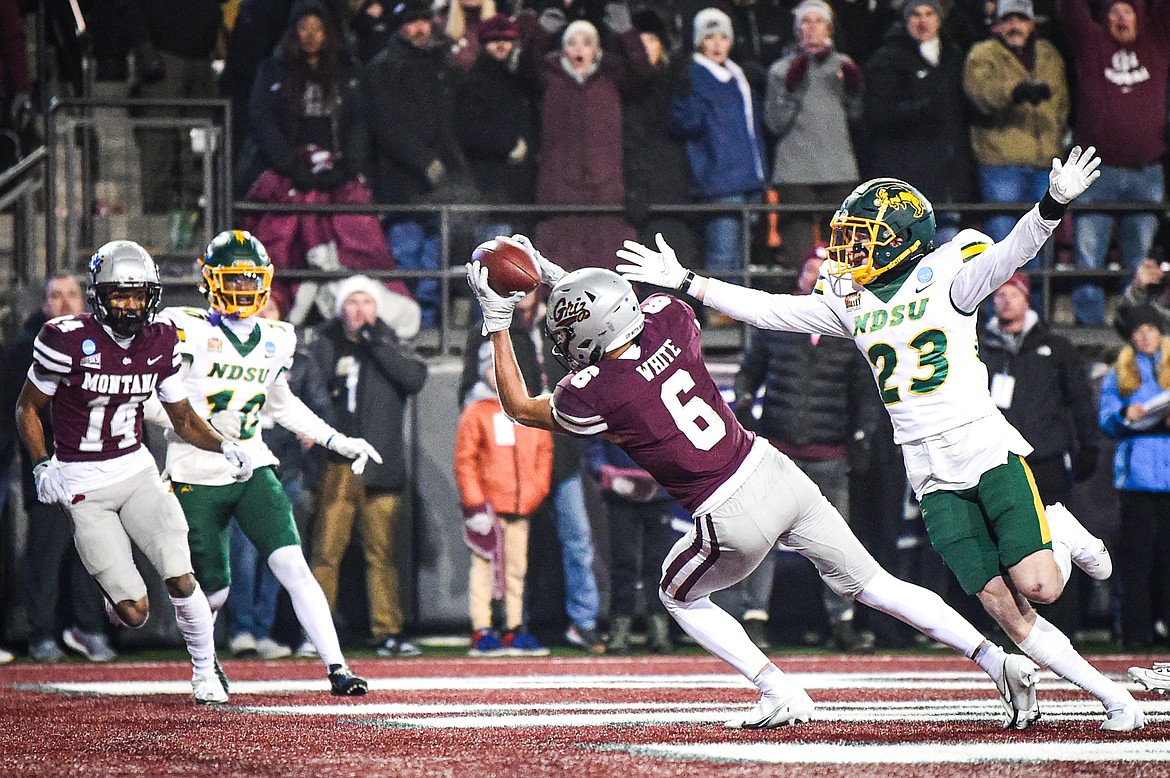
column 150, row 65
column 366, row 336
column 1085, row 463
column 1034, row 92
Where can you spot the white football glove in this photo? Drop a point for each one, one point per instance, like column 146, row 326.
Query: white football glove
column 357, row 449
column 51, row 486
column 239, row 458
column 660, row 268
column 1070, row 179
column 550, row 272
column 497, row 309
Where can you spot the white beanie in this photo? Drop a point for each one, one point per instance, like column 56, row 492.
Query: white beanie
column 712, row 21
column 810, row 6
column 357, row 284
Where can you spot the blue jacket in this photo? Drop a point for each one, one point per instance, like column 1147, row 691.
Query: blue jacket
column 1142, row 459
column 725, row 159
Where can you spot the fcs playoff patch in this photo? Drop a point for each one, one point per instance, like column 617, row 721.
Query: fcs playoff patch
column 853, row 300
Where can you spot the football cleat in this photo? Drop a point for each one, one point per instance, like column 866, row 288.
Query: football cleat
column 1017, row 690
column 776, row 711
column 1088, row 551
column 1156, row 680
column 1127, row 717
column 208, row 689
column 343, row 683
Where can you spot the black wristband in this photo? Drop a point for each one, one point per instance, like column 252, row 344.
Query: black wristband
column 688, row 279
column 1050, row 209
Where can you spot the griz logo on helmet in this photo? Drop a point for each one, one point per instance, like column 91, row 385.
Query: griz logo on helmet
column 568, row 312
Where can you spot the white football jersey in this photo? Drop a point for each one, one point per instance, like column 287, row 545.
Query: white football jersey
column 227, row 383
column 923, row 351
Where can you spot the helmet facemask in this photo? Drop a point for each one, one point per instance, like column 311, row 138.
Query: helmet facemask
column 123, row 320
column 237, row 290
column 883, row 224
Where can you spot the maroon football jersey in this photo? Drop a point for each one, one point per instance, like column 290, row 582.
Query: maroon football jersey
column 100, row 387
column 663, row 408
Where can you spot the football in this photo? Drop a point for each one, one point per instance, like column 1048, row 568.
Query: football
column 510, row 267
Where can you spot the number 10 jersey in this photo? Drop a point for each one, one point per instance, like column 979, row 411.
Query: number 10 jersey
column 227, row 383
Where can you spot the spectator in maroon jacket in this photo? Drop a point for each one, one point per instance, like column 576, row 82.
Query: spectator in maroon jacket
column 1121, row 73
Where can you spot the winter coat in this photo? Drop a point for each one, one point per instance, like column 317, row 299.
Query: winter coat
column 390, row 374
column 1121, row 90
column 816, row 394
column 1141, row 461
column 725, row 152
column 656, row 167
column 281, row 129
column 581, row 155
column 812, row 123
column 493, row 110
column 1008, row 133
column 1052, row 402
column 915, row 119
column 500, row 462
column 409, row 96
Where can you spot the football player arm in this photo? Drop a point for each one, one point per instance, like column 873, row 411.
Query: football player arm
column 806, row 313
column 29, row 405
column 514, row 398
column 290, row 412
column 191, row 427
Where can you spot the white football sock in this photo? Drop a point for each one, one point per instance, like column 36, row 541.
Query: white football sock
column 193, row 615
column 290, row 568
column 1063, row 556
column 926, row 612
column 718, row 631
column 990, row 658
column 1048, row 646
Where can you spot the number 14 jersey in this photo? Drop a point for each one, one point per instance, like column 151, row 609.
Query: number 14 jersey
column 227, row 383
column 659, row 403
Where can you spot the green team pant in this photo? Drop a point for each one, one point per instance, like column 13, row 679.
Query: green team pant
column 990, row 527
column 259, row 506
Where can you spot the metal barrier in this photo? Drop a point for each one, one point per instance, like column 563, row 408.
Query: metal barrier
column 20, row 185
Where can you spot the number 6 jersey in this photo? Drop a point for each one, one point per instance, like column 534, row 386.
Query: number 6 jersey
column 659, row 403
column 227, row 382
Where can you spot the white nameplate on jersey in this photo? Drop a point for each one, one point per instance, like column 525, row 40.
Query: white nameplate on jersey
column 504, row 429
column 1003, row 386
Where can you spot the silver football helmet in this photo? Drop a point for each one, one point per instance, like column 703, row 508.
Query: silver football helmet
column 122, row 266
column 591, row 312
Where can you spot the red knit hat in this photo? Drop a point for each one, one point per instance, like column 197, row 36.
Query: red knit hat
column 498, row 28
column 1021, row 282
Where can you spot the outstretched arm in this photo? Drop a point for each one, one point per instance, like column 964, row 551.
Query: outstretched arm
column 514, row 397
column 991, row 269
column 806, row 313
column 28, row 421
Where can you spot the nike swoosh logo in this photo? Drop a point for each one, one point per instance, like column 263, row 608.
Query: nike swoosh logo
column 152, row 361
column 921, row 289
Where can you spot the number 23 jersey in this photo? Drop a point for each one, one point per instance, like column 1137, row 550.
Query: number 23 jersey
column 924, row 353
column 227, row 383
column 659, row 403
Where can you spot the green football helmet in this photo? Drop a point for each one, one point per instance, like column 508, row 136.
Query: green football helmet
column 236, row 273
column 882, row 224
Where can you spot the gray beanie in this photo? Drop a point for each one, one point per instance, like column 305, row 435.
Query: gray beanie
column 712, row 21
column 910, row 5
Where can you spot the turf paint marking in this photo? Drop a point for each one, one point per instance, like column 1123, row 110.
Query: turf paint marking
column 907, row 753
column 941, row 681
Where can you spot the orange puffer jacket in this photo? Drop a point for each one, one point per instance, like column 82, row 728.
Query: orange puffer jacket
column 499, row 462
